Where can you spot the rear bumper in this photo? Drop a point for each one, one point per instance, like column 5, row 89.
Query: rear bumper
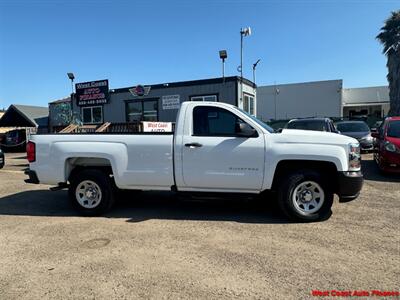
column 2, row 160
column 32, row 177
column 349, row 185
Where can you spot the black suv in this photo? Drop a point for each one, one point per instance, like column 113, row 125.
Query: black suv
column 316, row 124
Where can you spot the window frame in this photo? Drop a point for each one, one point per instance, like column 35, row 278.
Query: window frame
column 245, row 94
column 91, row 114
column 220, row 135
column 142, row 104
column 216, row 95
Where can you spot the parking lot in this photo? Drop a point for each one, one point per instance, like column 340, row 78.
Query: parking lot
column 156, row 245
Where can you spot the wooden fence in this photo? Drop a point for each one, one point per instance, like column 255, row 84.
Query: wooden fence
column 107, row 127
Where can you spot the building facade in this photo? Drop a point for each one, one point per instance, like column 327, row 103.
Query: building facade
column 320, row 99
column 368, row 101
column 157, row 102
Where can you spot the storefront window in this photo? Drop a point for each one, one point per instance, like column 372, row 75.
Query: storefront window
column 92, row 115
column 134, row 111
column 150, row 110
column 248, row 104
column 144, row 110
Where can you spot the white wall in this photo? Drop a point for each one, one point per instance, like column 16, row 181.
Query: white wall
column 365, row 95
column 309, row 99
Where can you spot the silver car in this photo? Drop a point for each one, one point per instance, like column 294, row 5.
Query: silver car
column 358, row 130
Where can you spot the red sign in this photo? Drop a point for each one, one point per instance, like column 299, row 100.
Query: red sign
column 140, row 90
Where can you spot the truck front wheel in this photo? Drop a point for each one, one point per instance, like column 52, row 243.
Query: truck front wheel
column 304, row 196
column 91, row 192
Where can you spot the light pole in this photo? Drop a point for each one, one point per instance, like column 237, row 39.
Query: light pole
column 71, row 77
column 243, row 32
column 254, row 70
column 276, row 92
column 223, row 55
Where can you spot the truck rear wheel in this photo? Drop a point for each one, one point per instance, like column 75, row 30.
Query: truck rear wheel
column 91, row 192
column 304, row 196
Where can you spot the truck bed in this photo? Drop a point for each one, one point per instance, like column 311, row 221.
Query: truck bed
column 137, row 159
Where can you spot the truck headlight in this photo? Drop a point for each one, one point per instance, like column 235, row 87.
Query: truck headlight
column 391, row 147
column 354, row 157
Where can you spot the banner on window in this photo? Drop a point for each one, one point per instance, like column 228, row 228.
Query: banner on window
column 171, row 101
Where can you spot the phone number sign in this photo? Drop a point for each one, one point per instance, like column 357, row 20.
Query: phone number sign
column 92, row 92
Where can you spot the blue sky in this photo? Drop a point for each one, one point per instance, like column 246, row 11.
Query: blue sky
column 132, row 42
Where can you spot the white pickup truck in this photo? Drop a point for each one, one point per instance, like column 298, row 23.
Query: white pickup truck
column 216, row 148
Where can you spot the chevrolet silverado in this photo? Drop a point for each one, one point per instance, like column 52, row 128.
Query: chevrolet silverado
column 215, row 148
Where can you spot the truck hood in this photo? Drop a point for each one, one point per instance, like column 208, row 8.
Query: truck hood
column 312, row 137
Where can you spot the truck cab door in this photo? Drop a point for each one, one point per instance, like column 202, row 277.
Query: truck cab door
column 221, row 153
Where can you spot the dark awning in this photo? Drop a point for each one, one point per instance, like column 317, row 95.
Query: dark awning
column 25, row 116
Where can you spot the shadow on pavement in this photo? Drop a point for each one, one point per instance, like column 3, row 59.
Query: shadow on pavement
column 372, row 172
column 142, row 206
column 18, row 165
column 20, row 157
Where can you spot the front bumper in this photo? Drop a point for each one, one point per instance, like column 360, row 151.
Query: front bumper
column 366, row 145
column 389, row 162
column 349, row 185
column 32, row 177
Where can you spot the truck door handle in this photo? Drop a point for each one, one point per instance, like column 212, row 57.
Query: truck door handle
column 193, row 145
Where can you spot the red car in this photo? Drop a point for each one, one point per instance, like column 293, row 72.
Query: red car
column 387, row 145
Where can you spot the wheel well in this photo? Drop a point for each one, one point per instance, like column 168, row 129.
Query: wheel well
column 76, row 164
column 326, row 168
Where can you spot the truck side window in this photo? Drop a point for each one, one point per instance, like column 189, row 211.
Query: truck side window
column 214, row 121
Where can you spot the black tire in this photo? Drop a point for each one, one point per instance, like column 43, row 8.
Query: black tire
column 103, row 182
column 287, row 188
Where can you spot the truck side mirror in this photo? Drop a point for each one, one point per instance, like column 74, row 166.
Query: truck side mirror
column 245, row 130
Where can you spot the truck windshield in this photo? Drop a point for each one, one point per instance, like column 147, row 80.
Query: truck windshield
column 259, row 122
column 394, row 129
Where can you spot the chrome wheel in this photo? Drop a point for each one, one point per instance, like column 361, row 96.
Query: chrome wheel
column 308, row 197
column 88, row 194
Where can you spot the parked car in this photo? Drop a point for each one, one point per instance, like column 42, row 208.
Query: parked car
column 358, row 130
column 359, row 117
column 15, row 140
column 2, row 159
column 317, row 124
column 216, row 148
column 387, row 145
column 376, row 125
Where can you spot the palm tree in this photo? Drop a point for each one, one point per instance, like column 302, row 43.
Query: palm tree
column 390, row 38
